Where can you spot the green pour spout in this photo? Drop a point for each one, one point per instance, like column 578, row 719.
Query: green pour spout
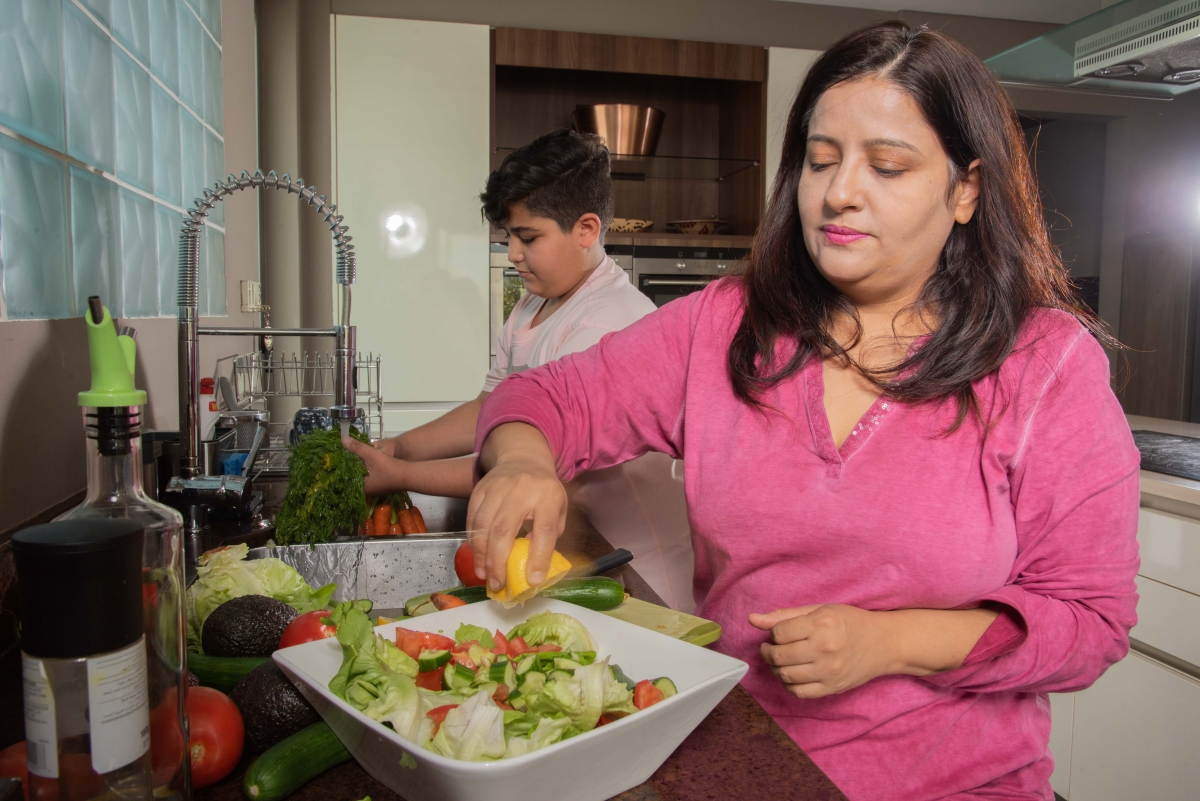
column 113, row 361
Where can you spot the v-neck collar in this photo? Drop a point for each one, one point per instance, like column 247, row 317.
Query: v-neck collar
column 835, row 457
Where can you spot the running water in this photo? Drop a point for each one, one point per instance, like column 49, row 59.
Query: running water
column 345, row 424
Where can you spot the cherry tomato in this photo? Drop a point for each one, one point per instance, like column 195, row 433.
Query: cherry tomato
column 13, row 763
column 464, row 566
column 438, row 715
column 646, row 694
column 307, row 628
column 217, row 735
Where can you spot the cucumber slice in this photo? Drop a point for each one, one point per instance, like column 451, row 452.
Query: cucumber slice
column 410, row 606
column 584, row 657
column 457, row 677
column 563, row 663
column 527, row 662
column 666, row 686
column 559, row 675
column 432, row 660
column 496, row 672
column 533, row 684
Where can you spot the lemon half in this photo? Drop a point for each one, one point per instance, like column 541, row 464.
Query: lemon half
column 516, row 588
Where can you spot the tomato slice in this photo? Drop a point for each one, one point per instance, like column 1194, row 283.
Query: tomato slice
column 436, row 642
column 501, row 643
column 543, row 648
column 605, row 719
column 646, row 694
column 430, row 680
column 464, row 566
column 409, row 641
column 438, row 715
column 516, row 647
column 501, row 693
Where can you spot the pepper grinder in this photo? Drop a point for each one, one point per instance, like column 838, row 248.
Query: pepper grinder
column 83, row 659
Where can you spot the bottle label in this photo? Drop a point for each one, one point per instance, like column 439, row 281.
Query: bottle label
column 118, row 707
column 41, row 735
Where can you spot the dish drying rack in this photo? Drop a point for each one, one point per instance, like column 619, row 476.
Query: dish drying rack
column 258, row 376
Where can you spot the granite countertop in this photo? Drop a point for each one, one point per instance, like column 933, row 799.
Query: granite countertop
column 1159, row 487
column 737, row 746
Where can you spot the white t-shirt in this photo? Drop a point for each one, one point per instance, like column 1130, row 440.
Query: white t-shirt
column 639, row 505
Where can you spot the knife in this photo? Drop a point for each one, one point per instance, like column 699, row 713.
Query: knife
column 609, row 561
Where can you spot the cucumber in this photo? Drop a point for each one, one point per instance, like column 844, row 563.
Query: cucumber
column 496, row 672
column 620, row 676
column 222, row 672
column 533, row 684
column 559, row 675
column 594, row 592
column 432, row 660
column 527, row 662
column 290, row 764
column 563, row 663
column 666, row 686
column 457, row 677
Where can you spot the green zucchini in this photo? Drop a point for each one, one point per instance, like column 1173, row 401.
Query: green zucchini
column 290, row 764
column 594, row 592
column 222, row 672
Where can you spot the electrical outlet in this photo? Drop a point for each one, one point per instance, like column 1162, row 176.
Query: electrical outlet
column 251, row 296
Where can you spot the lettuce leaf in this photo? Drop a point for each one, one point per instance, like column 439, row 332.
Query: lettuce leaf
column 562, row 630
column 466, row 632
column 473, row 731
column 580, row 697
column 547, row 732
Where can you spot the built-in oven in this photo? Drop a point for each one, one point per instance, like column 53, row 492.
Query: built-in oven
column 665, row 274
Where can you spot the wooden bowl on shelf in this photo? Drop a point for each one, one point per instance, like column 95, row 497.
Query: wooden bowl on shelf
column 697, row 227
column 620, row 225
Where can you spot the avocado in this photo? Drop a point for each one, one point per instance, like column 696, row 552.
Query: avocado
column 272, row 708
column 249, row 625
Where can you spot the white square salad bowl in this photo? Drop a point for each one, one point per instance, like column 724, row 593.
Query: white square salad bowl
column 596, row 765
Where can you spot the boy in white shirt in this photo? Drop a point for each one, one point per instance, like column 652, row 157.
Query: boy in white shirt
column 554, row 198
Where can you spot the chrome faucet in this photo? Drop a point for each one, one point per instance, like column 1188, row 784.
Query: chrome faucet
column 190, row 331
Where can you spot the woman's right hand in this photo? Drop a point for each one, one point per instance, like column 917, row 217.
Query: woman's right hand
column 520, row 485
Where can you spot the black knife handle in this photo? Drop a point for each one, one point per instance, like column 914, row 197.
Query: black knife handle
column 606, row 563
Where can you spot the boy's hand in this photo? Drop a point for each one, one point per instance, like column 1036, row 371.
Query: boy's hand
column 384, row 473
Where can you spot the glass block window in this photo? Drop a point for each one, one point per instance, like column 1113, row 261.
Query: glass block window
column 110, row 127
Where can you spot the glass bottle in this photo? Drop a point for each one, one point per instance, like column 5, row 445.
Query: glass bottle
column 112, row 419
column 114, row 469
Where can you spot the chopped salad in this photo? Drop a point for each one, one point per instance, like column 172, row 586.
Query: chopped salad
column 485, row 695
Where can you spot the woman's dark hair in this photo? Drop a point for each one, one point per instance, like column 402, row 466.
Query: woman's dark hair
column 561, row 175
column 992, row 271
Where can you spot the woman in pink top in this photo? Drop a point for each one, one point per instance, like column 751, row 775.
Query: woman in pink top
column 912, row 494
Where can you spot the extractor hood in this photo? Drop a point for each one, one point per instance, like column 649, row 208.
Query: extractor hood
column 1137, row 47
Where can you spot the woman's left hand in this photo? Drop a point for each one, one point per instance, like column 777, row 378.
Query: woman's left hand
column 823, row 650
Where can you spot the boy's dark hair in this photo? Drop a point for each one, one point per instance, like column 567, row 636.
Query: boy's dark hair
column 561, row 175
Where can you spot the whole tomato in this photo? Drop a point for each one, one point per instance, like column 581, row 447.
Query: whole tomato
column 216, row 735
column 13, row 763
column 464, row 566
column 306, row 628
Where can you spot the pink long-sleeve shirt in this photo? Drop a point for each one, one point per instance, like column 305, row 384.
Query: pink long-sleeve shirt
column 1035, row 513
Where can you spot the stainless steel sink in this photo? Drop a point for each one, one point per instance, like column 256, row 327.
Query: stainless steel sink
column 387, row 570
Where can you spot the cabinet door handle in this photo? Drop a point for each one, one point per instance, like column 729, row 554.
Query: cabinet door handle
column 1165, row 659
column 511, row 273
column 677, row 282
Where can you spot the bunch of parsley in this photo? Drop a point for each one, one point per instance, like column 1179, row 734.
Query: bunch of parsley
column 325, row 490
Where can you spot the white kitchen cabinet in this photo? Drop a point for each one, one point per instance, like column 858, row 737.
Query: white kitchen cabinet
column 411, row 127
column 786, row 68
column 1137, row 735
column 1062, row 716
column 1170, row 549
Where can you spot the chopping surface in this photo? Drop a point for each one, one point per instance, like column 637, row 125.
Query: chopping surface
column 1169, row 453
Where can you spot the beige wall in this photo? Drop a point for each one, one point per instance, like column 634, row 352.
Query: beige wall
column 44, row 363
